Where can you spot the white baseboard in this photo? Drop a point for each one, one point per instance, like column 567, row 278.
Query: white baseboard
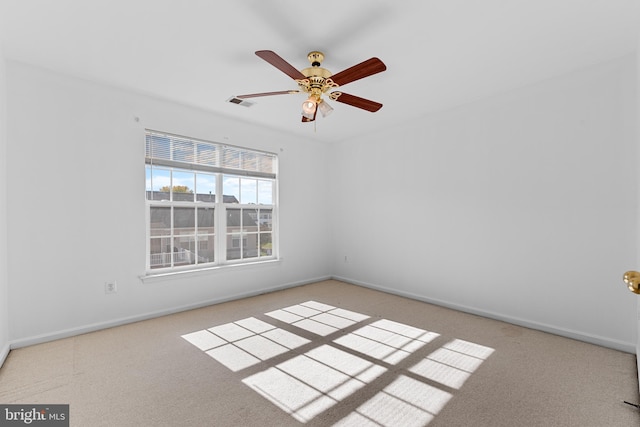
column 51, row 336
column 627, row 347
column 4, row 352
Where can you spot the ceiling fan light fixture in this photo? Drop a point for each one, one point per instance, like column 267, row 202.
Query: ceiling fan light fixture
column 325, row 109
column 309, row 107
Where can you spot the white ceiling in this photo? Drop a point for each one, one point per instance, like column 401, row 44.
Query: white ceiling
column 439, row 53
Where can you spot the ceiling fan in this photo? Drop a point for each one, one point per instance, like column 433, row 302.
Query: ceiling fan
column 317, row 81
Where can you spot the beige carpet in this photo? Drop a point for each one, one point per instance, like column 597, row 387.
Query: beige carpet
column 324, row 354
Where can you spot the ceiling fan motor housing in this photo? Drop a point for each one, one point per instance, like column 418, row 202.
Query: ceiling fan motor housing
column 318, row 78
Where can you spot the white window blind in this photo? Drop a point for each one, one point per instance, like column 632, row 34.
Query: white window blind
column 164, row 149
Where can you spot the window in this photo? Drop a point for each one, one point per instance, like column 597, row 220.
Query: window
column 208, row 204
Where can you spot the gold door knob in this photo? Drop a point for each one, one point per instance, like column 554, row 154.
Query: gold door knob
column 632, row 280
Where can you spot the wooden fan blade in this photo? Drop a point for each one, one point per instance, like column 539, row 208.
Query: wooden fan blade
column 282, row 65
column 356, row 101
column 364, row 69
column 255, row 95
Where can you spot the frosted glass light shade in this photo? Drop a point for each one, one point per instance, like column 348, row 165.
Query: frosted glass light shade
column 325, row 109
column 309, row 106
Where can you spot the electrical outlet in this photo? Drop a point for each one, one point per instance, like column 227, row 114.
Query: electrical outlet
column 110, row 287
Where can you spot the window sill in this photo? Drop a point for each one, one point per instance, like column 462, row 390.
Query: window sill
column 153, row 277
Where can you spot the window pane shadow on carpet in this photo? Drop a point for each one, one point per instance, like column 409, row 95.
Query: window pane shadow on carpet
column 312, row 357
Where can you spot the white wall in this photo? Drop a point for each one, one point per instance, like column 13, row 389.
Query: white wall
column 4, row 286
column 76, row 207
column 521, row 207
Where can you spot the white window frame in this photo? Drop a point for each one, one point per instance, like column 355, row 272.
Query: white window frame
column 226, row 162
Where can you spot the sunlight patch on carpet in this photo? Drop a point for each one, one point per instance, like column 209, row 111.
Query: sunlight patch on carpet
column 309, row 384
column 386, row 340
column 410, row 389
column 244, row 343
column 453, row 363
column 405, row 402
column 320, row 319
